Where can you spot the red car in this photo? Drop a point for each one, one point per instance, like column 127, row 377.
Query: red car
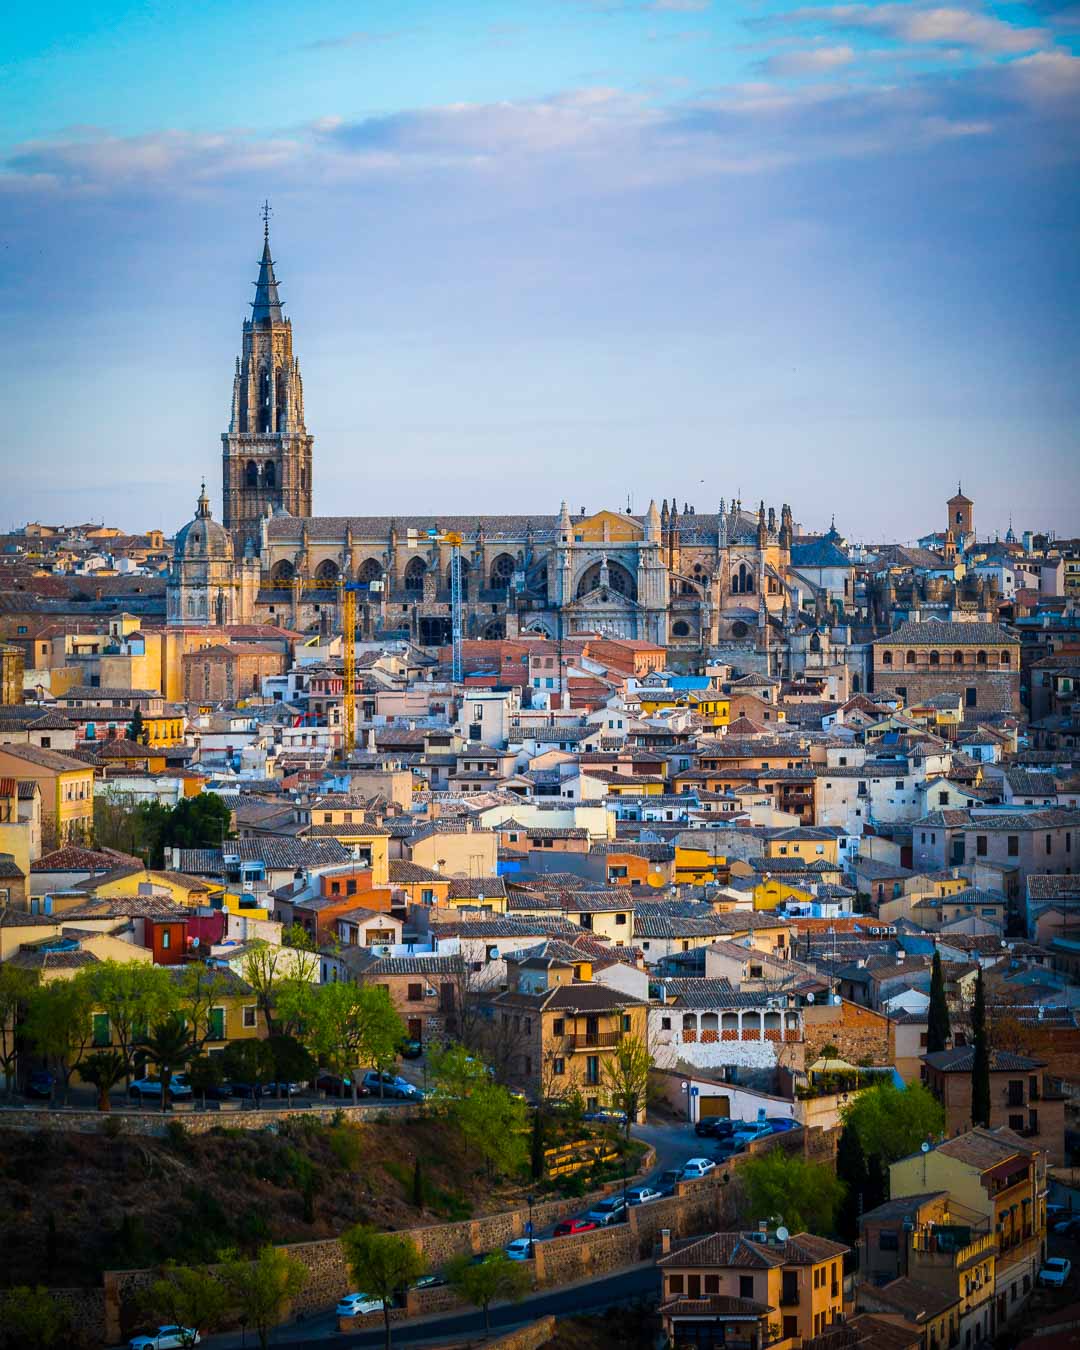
column 569, row 1226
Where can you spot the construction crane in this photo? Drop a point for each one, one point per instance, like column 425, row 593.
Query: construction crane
column 455, row 540
column 347, row 590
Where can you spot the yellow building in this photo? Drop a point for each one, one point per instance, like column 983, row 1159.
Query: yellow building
column 561, row 1026
column 770, row 891
column 369, row 842
column 810, row 844
column 794, row 1284
column 698, row 858
column 125, row 881
column 713, row 709
column 67, row 791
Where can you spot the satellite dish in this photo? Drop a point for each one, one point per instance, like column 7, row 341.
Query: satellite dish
column 655, row 880
column 837, row 1000
column 809, row 998
column 194, row 941
column 925, row 1146
column 782, row 1234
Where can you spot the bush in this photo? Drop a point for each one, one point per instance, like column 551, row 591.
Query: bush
column 112, row 1127
column 345, row 1144
column 176, row 1136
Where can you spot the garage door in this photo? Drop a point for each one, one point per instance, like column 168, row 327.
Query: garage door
column 713, row 1106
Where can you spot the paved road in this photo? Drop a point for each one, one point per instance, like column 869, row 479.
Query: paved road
column 626, row 1286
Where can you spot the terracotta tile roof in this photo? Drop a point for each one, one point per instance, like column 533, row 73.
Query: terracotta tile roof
column 917, row 1302
column 746, row 1250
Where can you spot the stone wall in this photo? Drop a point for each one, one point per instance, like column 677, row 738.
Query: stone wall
column 328, row 1275
column 532, row 1337
column 858, row 1033
column 147, row 1121
column 85, row 1309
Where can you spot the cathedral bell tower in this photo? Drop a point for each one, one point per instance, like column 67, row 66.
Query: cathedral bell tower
column 266, row 452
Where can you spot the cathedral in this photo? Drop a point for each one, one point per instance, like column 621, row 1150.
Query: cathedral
column 681, row 578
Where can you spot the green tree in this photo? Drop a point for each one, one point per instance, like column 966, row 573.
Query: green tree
column 249, row 1062
column 804, row 1196
column 261, row 1291
column 851, row 1170
column 938, row 1029
column 355, row 1026
column 203, row 821
column 59, row 1024
column 482, row 1283
column 454, row 1073
column 132, row 995
column 16, row 990
column 136, row 731
column 382, row 1265
column 892, row 1122
column 282, row 979
column 625, row 1077
column 32, row 1317
column 536, row 1159
column 494, row 1124
column 191, row 1297
column 204, row 1073
column 980, row 1065
column 293, row 1061
column 169, row 1046
column 198, row 990
column 104, row 1069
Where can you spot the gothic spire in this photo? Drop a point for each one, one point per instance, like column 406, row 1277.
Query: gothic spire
column 266, row 307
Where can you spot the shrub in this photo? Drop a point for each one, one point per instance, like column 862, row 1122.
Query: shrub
column 112, row 1127
column 176, row 1136
column 345, row 1144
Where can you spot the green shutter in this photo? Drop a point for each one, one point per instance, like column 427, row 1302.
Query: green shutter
column 102, row 1033
column 217, row 1024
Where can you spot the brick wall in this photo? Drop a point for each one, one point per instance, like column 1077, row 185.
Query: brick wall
column 858, row 1033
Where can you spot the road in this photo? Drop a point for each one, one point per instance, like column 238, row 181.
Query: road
column 625, row 1286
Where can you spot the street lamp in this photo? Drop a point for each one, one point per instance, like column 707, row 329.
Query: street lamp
column 530, row 1226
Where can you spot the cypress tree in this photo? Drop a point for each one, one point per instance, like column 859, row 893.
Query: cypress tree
column 938, row 1028
column 851, row 1169
column 417, row 1184
column 980, row 1068
column 537, row 1161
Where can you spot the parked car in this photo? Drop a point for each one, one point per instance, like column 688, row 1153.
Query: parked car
column 570, row 1226
column 284, row 1089
column 40, row 1084
column 142, row 1088
column 250, row 1092
column 641, row 1195
column 781, row 1124
column 520, row 1249
column 697, row 1167
column 165, row 1338
column 671, row 1176
column 356, row 1305
column 715, row 1127
column 1069, row 1227
column 394, row 1087
column 609, row 1211
column 1055, row 1272
column 432, row 1281
column 338, row 1085
column 410, row 1049
column 606, row 1117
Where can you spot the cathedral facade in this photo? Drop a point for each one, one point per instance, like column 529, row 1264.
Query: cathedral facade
column 683, row 579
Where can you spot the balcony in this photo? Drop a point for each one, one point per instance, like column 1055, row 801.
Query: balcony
column 596, row 1040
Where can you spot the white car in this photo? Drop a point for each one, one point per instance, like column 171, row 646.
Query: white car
column 520, row 1249
column 165, row 1338
column 356, row 1305
column 604, row 1212
column 697, row 1167
column 641, row 1195
column 1055, row 1272
column 179, row 1088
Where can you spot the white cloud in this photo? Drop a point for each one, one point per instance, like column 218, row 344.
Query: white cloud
column 927, row 25
column 814, row 61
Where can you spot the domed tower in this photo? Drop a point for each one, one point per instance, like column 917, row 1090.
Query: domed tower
column 206, row 586
column 266, row 452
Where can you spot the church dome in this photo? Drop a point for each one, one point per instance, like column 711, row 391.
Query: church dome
column 203, row 537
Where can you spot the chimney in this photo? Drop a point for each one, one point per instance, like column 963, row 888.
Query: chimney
column 665, row 1241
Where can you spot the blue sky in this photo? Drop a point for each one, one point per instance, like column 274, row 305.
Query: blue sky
column 585, row 248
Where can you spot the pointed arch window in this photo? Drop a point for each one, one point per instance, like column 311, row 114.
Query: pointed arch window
column 251, row 474
column 414, row 575
column 270, row 474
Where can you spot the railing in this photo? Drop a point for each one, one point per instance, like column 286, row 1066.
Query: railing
column 596, row 1040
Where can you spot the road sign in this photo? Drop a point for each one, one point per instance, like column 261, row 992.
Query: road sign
column 528, row 1228
column 694, row 1091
